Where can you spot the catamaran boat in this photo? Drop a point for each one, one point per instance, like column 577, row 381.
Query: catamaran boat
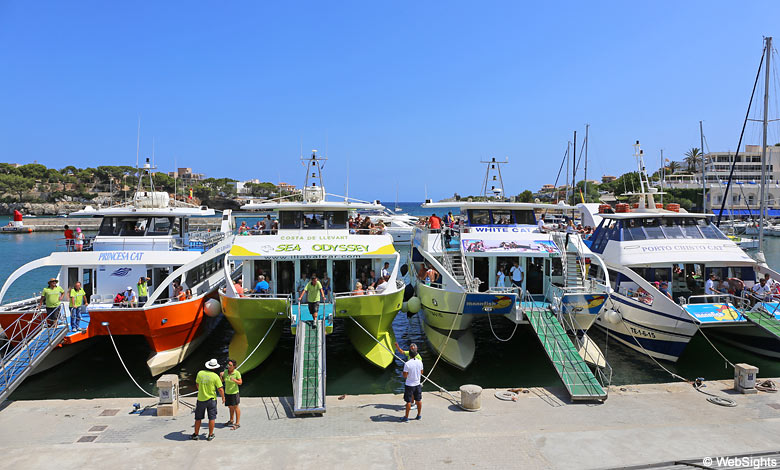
column 646, row 246
column 313, row 237
column 149, row 237
column 457, row 272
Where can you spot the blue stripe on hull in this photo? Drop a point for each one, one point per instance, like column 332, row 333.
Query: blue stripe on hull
column 669, row 348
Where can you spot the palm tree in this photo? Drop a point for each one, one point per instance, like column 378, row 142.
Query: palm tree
column 692, row 158
column 673, row 167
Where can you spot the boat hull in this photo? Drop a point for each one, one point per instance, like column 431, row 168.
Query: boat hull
column 662, row 335
column 375, row 314
column 252, row 319
column 582, row 310
column 457, row 351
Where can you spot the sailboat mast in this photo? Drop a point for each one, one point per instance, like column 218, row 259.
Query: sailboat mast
column 703, row 170
column 762, row 209
column 585, row 194
column 574, row 169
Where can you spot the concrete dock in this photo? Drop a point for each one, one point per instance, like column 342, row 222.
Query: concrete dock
column 90, row 224
column 637, row 425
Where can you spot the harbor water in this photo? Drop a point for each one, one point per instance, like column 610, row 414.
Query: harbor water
column 518, row 362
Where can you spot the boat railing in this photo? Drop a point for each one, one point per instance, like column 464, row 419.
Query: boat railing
column 69, row 244
column 737, row 301
column 265, row 295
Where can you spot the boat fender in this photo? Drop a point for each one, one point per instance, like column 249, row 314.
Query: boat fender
column 413, row 304
column 212, row 308
column 613, row 317
column 405, row 307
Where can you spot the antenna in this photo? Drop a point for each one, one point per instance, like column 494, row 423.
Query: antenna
column 346, row 196
column 138, row 141
column 493, row 178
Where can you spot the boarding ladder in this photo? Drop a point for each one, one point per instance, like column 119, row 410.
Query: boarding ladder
column 572, row 262
column 456, row 265
column 28, row 340
column 309, row 367
column 577, row 377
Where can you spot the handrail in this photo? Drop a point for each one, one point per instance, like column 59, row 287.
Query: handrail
column 19, row 335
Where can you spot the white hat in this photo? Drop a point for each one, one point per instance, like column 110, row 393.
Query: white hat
column 129, row 288
column 212, row 364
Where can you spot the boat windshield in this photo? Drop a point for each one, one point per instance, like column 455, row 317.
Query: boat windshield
column 654, row 228
column 135, row 226
column 312, row 220
column 501, row 217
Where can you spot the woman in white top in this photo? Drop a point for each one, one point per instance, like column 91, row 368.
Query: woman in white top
column 79, row 239
column 500, row 277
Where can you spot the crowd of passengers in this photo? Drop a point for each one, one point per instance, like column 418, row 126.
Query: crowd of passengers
column 765, row 290
column 358, row 225
column 364, row 226
column 449, row 222
column 267, row 226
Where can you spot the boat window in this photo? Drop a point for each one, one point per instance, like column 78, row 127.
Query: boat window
column 479, row 217
column 337, row 219
column 653, row 228
column 290, row 220
column 503, row 217
column 109, row 227
column 313, row 220
column 132, row 227
column 689, row 228
column 525, row 217
column 634, row 229
column 160, row 226
column 613, row 278
column 672, row 229
column 709, row 230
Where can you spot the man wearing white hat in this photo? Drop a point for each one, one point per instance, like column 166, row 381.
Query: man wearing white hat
column 208, row 384
column 130, row 297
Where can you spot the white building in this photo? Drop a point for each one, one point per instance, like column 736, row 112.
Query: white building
column 746, row 182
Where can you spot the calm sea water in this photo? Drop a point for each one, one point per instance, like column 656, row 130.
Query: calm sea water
column 520, row 362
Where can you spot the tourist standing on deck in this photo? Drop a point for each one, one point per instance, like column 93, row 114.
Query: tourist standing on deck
column 68, row 238
column 314, row 293
column 78, row 302
column 50, row 299
column 518, row 274
column 709, row 286
column 385, row 272
column 79, row 239
column 208, row 384
column 262, row 285
column 434, row 223
column 232, row 379
column 413, row 370
column 500, row 277
column 143, row 290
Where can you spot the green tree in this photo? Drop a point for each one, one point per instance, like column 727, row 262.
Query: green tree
column 673, row 166
column 35, row 171
column 16, row 184
column 693, row 159
column 525, row 196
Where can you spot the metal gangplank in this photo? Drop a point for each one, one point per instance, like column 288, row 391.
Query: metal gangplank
column 28, row 340
column 309, row 365
column 577, row 377
column 764, row 317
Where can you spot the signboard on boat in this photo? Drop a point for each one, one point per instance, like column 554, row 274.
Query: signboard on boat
column 542, row 247
column 713, row 313
column 489, row 303
column 303, row 247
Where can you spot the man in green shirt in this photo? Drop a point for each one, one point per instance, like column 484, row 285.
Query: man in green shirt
column 314, row 293
column 143, row 290
column 78, row 303
column 208, row 384
column 50, row 299
column 232, row 378
column 412, row 347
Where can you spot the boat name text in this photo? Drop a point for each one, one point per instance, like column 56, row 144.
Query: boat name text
column 121, row 256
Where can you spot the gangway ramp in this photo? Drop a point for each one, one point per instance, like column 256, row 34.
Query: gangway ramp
column 577, row 377
column 764, row 320
column 309, row 366
column 28, row 341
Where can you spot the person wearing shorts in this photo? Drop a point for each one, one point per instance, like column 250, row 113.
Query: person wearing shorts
column 413, row 370
column 232, row 379
column 208, row 384
column 314, row 294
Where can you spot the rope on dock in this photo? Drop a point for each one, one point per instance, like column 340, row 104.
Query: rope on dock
column 697, row 384
column 401, row 359
column 123, row 363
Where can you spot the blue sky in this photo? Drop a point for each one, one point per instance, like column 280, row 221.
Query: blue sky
column 406, row 94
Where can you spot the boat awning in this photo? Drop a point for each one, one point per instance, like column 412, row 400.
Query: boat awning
column 748, row 212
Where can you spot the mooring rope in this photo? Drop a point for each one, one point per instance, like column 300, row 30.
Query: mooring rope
column 123, row 363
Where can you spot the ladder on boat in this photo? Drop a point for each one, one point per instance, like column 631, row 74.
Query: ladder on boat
column 28, row 341
column 577, row 377
column 572, row 262
column 764, row 320
column 309, row 368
